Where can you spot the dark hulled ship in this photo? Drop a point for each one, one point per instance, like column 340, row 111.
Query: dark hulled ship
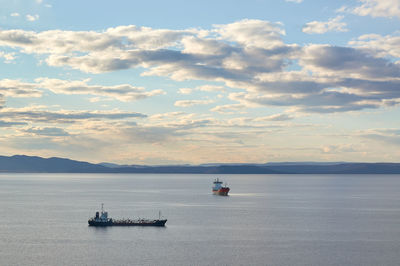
column 101, row 219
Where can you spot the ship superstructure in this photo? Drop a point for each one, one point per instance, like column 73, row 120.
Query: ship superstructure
column 101, row 219
column 219, row 188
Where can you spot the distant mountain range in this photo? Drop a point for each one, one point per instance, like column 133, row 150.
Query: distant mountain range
column 33, row 164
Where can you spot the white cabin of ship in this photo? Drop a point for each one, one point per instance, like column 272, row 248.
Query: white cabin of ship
column 217, row 184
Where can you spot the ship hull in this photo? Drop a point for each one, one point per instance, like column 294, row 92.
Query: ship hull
column 128, row 223
column 221, row 191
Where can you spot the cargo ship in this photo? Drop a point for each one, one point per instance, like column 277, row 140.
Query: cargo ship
column 219, row 189
column 101, row 219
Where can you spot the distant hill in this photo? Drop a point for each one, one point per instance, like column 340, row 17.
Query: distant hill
column 33, row 164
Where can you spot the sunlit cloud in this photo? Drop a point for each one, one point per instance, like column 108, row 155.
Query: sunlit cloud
column 378, row 8
column 229, row 108
column 379, row 45
column 32, row 17
column 121, row 92
column 8, row 57
column 188, row 103
column 248, row 55
column 248, row 81
column 319, row 27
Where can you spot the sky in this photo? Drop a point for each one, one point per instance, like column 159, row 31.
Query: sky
column 193, row 82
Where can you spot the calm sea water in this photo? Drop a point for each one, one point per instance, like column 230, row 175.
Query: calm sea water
column 266, row 220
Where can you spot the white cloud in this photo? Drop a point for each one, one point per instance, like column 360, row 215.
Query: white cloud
column 213, row 88
column 32, row 17
column 249, row 55
column 229, row 108
column 382, row 46
column 122, row 92
column 9, row 57
column 17, row 88
column 185, row 91
column 378, row 8
column 188, row 103
column 252, row 33
column 15, row 14
column 209, row 88
column 319, row 27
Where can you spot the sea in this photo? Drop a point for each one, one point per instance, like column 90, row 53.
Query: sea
column 265, row 220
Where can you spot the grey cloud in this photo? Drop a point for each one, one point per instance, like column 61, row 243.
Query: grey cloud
column 325, row 102
column 122, row 92
column 337, row 109
column 17, row 37
column 276, row 117
column 64, row 116
column 48, row 131
column 240, row 54
column 388, row 136
column 349, row 61
column 16, row 88
column 11, row 124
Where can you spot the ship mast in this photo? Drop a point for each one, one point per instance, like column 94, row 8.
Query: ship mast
column 102, row 208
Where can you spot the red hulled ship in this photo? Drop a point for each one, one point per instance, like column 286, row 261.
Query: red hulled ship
column 219, row 189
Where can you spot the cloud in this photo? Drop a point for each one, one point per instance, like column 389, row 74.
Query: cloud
column 185, row 90
column 188, row 103
column 11, row 124
column 32, row 17
column 295, row 1
column 387, row 136
column 213, row 88
column 378, row 8
column 252, row 33
column 47, row 131
column 320, row 27
column 121, row 92
column 15, row 14
column 275, row 117
column 9, row 57
column 246, row 55
column 171, row 115
column 209, row 88
column 324, row 102
column 346, row 61
column 229, row 108
column 35, row 114
column 17, row 88
column 379, row 45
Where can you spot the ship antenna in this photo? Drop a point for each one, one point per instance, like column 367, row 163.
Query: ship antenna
column 102, row 207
